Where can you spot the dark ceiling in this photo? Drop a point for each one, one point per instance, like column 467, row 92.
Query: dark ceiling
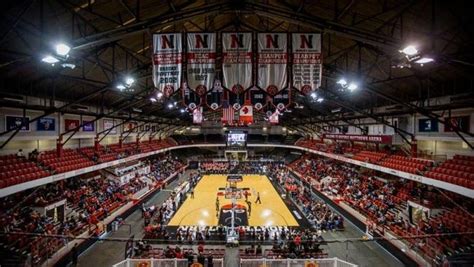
column 361, row 39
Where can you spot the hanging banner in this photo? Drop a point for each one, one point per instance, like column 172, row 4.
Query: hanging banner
column 12, row 122
column 258, row 98
column 88, row 126
column 190, row 98
column 197, row 116
column 70, row 124
column 246, row 114
column 307, row 62
column 237, row 61
column 213, row 98
column 281, row 100
column 272, row 62
column 201, row 66
column 167, row 62
column 46, row 124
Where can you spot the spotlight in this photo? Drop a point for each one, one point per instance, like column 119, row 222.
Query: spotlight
column 409, row 50
column 159, row 95
column 50, row 59
column 352, row 87
column 264, row 128
column 182, row 110
column 68, row 65
column 62, row 49
column 424, row 60
column 342, row 82
column 313, row 95
column 121, row 87
column 319, row 100
column 152, row 99
column 170, row 106
column 129, row 81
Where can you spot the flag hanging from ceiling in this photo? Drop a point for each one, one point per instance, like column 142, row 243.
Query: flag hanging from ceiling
column 201, row 57
column 273, row 119
column 227, row 111
column 272, row 62
column 237, row 61
column 167, row 62
column 307, row 62
column 197, row 115
column 246, row 114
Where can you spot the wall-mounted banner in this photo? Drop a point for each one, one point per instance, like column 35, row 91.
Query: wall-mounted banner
column 237, row 61
column 12, row 122
column 167, row 62
column 201, row 57
column 131, row 126
column 272, row 62
column 427, row 125
column 88, row 126
column 70, row 125
column 461, row 122
column 381, row 139
column 46, row 124
column 109, row 124
column 307, row 62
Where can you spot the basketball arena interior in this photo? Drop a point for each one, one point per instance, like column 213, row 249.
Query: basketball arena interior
column 149, row 133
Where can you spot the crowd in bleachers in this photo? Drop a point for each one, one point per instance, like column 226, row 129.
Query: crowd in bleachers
column 18, row 168
column 384, row 202
column 89, row 199
column 233, row 167
column 455, row 171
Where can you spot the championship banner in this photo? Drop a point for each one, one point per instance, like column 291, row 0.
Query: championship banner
column 46, row 124
column 307, row 63
column 258, row 98
column 70, row 124
column 237, row 61
column 213, row 98
column 273, row 118
column 190, row 98
column 282, row 100
column 167, row 62
column 246, row 114
column 201, row 61
column 272, row 62
column 12, row 122
column 88, row 126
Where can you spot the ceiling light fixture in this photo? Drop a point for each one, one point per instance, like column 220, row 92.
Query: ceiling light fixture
column 342, row 82
column 50, row 59
column 409, row 50
column 62, row 49
column 352, row 87
column 424, row 60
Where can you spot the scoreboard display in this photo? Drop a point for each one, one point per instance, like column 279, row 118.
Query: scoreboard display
column 236, row 139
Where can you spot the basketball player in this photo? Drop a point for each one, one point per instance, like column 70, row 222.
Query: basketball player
column 258, row 198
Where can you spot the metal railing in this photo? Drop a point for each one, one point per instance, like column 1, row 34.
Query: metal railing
column 329, row 262
column 161, row 263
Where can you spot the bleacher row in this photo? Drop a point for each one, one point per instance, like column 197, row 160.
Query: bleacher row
column 455, row 171
column 16, row 170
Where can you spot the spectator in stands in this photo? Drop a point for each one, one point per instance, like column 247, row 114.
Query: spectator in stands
column 20, row 153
